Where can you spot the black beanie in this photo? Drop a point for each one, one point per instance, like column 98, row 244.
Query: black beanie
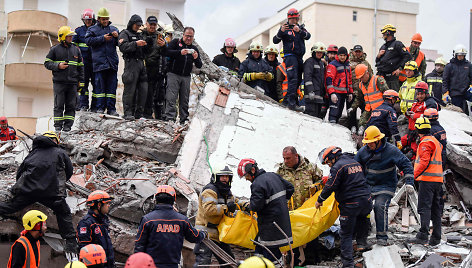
column 424, row 131
column 342, row 50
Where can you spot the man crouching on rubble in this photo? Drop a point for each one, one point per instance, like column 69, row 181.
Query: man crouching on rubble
column 42, row 178
column 351, row 190
column 215, row 200
column 161, row 232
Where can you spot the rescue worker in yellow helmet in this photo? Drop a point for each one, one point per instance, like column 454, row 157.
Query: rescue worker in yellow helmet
column 75, row 264
column 254, row 71
column 435, row 78
column 65, row 62
column 256, row 262
column 407, row 90
column 392, row 57
column 25, row 252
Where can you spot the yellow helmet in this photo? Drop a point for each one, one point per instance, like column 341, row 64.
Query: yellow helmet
column 75, row 264
column 388, row 28
column 256, row 46
column 281, row 53
column 256, row 262
column 411, row 65
column 32, row 217
column 440, row 60
column 103, row 13
column 63, row 32
column 372, row 134
column 271, row 49
column 422, row 123
column 51, row 134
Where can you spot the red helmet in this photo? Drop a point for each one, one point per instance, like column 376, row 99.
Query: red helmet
column 422, row 87
column 332, row 48
column 88, row 15
column 245, row 166
column 3, row 120
column 293, row 13
column 167, row 189
column 97, row 197
column 229, row 42
column 92, row 254
column 140, row 260
column 431, row 114
column 328, row 153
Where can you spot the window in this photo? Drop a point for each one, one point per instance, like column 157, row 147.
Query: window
column 354, row 15
column 117, row 10
column 30, row 4
column 25, row 107
column 152, row 12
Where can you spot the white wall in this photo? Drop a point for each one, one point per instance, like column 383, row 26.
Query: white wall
column 43, row 101
column 59, row 7
column 172, row 6
column 13, row 5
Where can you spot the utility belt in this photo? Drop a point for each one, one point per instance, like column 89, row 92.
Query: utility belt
column 133, row 59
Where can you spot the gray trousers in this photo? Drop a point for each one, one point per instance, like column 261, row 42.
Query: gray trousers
column 135, row 87
column 177, row 86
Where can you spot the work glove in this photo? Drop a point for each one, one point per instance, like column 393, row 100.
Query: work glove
column 231, row 206
column 324, row 179
column 259, row 76
column 446, row 98
column 334, row 98
column 314, row 188
column 399, row 145
column 251, row 76
column 245, row 207
column 409, row 113
column 205, row 234
column 410, row 189
column 311, row 95
column 268, row 76
column 349, row 97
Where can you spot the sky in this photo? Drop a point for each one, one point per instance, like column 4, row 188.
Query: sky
column 442, row 23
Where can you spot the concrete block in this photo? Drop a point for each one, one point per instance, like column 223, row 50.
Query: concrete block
column 383, row 257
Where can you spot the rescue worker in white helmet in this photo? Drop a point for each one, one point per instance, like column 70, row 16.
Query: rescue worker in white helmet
column 270, row 56
column 314, row 76
column 435, row 78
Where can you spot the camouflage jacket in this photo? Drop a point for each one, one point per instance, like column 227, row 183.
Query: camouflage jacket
column 354, row 61
column 302, row 178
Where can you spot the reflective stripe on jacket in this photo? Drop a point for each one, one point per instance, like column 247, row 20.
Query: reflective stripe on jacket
column 428, row 163
column 418, row 60
column 407, row 93
column 30, row 258
column 373, row 97
column 283, row 69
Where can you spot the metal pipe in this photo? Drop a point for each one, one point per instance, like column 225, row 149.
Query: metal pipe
column 374, row 40
column 268, row 250
column 6, row 48
column 26, row 45
column 288, row 241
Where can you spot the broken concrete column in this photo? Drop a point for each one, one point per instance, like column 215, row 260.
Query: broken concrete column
column 383, row 257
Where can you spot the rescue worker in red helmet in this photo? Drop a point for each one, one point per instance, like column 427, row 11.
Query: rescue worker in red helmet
column 349, row 185
column 385, row 117
column 332, row 51
column 269, row 196
column 140, row 260
column 25, row 252
column 161, row 232
column 88, row 18
column 93, row 256
column 293, row 37
column 423, row 102
column 93, row 228
column 228, row 59
column 6, row 132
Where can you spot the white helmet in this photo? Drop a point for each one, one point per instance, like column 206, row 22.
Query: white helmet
column 168, row 28
column 271, row 49
column 318, row 47
column 440, row 60
column 460, row 50
column 256, row 46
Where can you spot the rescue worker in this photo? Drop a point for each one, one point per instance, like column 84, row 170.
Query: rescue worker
column 281, row 77
column 254, row 71
column 134, row 77
column 65, row 62
column 93, row 256
column 93, row 227
column 88, row 18
column 26, row 251
column 370, row 93
column 435, row 78
column 293, row 37
column 269, row 196
column 457, row 79
column 314, row 77
column 332, row 51
column 102, row 38
column 391, row 58
column 169, row 30
column 380, row 160
column 270, row 56
column 339, row 85
column 423, row 102
column 156, row 67
column 256, row 262
column 351, row 191
column 75, row 264
column 357, row 56
column 41, row 178
column 407, row 91
column 384, row 117
column 228, row 59
column 139, row 260
column 416, row 55
column 182, row 55
column 437, row 131
column 429, row 174
column 7, row 132
column 161, row 233
column 214, row 201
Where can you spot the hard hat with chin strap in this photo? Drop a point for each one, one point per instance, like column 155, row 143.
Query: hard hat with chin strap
column 318, row 47
column 388, row 28
column 372, row 134
column 32, row 217
column 63, row 32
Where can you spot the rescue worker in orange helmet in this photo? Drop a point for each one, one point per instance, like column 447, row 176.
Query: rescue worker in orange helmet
column 93, row 227
column 93, row 256
column 6, row 132
column 417, row 56
column 25, row 252
column 428, row 172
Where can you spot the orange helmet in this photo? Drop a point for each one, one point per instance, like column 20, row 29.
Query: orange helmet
column 431, row 114
column 293, row 13
column 360, row 70
column 390, row 94
column 92, row 254
column 97, row 197
column 167, row 189
column 417, row 38
column 329, row 153
column 140, row 260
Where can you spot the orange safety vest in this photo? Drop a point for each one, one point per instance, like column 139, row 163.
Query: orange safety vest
column 419, row 59
column 434, row 170
column 30, row 261
column 373, row 97
column 283, row 69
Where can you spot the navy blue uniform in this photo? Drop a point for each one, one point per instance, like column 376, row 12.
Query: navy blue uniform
column 89, row 77
column 161, row 234
column 385, row 118
column 253, row 65
column 93, row 229
column 348, row 183
column 457, row 77
column 440, row 134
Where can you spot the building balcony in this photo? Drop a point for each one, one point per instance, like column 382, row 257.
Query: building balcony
column 25, row 21
column 28, row 75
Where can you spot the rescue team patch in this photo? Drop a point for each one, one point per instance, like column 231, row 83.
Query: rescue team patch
column 168, row 228
column 83, row 230
column 97, row 230
column 355, row 169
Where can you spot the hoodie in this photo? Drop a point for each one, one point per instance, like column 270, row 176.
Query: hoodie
column 339, row 77
column 127, row 41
